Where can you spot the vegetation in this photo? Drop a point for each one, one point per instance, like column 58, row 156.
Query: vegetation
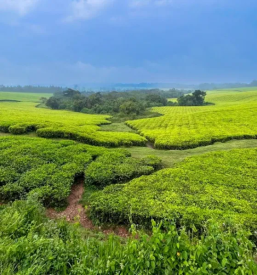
column 25, row 97
column 116, row 167
column 31, row 244
column 23, row 117
column 123, row 103
column 171, row 157
column 195, row 99
column 233, row 117
column 47, row 169
column 31, row 89
column 204, row 206
column 218, row 185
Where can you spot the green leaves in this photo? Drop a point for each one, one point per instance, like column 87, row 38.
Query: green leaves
column 218, row 185
column 31, row 243
column 42, row 168
column 117, row 167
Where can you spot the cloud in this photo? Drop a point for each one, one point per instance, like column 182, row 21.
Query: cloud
column 86, row 9
column 22, row 7
column 62, row 73
column 143, row 3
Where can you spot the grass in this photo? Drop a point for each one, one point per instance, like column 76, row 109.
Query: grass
column 25, row 97
column 171, row 157
column 116, row 127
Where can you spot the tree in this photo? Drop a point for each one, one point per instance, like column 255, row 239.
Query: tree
column 53, row 103
column 71, row 93
column 196, row 99
column 131, row 107
column 199, row 97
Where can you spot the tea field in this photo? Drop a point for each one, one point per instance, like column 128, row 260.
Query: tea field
column 233, row 116
column 24, row 97
column 47, row 169
column 217, row 185
column 201, row 212
column 23, row 117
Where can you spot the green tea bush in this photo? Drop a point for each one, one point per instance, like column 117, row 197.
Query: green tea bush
column 34, row 166
column 116, row 167
column 217, row 185
column 232, row 117
column 31, row 244
column 47, row 169
column 23, row 117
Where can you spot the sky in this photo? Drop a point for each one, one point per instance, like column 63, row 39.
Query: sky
column 67, row 42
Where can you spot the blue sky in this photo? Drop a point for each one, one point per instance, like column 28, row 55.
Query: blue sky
column 65, row 42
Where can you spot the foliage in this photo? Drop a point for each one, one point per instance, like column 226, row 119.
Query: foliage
column 216, row 185
column 47, row 169
column 126, row 103
column 232, row 117
column 116, row 167
column 42, row 168
column 23, row 117
column 195, row 99
column 25, row 97
column 31, row 244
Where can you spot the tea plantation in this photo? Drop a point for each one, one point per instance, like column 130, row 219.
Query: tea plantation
column 197, row 217
column 47, row 169
column 23, row 117
column 219, row 185
column 232, row 117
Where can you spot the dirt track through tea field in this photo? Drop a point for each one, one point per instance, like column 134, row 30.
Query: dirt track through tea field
column 75, row 212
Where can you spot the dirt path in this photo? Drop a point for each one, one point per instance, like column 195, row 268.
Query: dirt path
column 75, row 212
column 150, row 144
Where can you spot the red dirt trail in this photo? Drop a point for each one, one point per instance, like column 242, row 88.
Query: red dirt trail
column 76, row 212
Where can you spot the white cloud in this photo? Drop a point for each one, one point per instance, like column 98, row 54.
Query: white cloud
column 21, row 7
column 86, row 9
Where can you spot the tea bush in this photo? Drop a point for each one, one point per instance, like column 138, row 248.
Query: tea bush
column 23, row 117
column 47, row 169
column 233, row 116
column 43, row 167
column 116, row 167
column 31, row 244
column 216, row 185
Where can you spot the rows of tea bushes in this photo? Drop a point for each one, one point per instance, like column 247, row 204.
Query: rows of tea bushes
column 31, row 244
column 23, row 117
column 43, row 167
column 190, row 127
column 91, row 135
column 115, row 167
column 217, row 185
column 48, row 168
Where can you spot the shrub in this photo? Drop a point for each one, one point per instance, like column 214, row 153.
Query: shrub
column 116, row 167
column 217, row 185
column 31, row 244
column 44, row 168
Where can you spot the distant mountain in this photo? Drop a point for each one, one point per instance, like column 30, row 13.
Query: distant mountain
column 140, row 86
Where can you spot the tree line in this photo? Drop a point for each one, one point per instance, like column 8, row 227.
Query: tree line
column 127, row 102
column 31, row 89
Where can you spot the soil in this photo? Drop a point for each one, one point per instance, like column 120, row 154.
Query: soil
column 150, row 144
column 75, row 212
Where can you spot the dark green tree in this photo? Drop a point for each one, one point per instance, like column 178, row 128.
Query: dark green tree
column 197, row 98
